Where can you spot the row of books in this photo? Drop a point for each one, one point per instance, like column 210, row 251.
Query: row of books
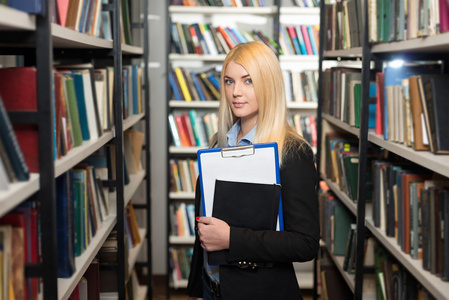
column 412, row 205
column 413, row 108
column 183, row 175
column 200, row 38
column 240, row 3
column 390, row 280
column 305, row 125
column 87, row 16
column 191, row 129
column 82, row 207
column 219, row 3
column 182, row 218
column 342, row 96
column 96, row 281
column 387, row 21
column 306, row 3
column 299, row 39
column 180, row 258
column 341, row 156
column 404, row 20
column 83, row 110
column 19, row 245
column 301, row 86
column 194, row 85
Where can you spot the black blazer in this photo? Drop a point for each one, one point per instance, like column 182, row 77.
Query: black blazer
column 298, row 242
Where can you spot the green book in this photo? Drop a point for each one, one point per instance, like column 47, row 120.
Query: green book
column 73, row 110
column 342, row 224
column 357, row 99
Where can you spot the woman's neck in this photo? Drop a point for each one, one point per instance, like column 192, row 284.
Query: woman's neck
column 245, row 128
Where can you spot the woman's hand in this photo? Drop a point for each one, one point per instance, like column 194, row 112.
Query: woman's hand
column 214, row 233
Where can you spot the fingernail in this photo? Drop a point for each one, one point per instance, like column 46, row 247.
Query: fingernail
column 197, row 218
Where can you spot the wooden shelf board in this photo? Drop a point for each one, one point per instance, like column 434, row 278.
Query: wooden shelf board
column 436, row 163
column 435, row 43
column 132, row 120
column 77, row 154
column 208, row 10
column 181, row 240
column 181, row 195
column 194, row 104
column 342, row 125
column 18, row 192
column 13, row 19
column 134, row 252
column 68, row 38
column 134, row 182
column 432, row 283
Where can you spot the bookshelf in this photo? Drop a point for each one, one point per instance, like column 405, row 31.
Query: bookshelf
column 267, row 19
column 375, row 56
column 44, row 44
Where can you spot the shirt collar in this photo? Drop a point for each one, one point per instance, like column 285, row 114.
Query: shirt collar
column 234, row 131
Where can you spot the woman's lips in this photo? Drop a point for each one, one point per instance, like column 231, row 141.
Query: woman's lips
column 238, row 104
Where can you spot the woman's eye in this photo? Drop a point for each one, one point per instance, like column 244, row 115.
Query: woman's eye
column 229, row 81
column 249, row 81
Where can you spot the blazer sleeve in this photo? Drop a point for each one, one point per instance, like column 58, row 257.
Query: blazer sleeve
column 299, row 241
column 195, row 284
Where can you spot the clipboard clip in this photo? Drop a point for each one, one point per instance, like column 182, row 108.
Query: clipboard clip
column 238, row 151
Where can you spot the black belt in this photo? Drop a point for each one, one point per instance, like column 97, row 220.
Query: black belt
column 212, row 285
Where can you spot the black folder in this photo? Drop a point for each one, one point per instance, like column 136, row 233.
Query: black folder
column 247, row 205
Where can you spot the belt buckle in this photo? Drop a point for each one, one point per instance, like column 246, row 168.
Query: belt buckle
column 214, row 287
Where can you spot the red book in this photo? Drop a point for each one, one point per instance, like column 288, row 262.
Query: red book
column 380, row 103
column 225, row 35
column 444, row 16
column 188, row 125
column 305, row 35
column 19, row 93
column 195, row 40
column 183, row 135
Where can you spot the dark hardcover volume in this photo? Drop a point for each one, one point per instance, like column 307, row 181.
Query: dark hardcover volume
column 246, row 205
column 436, row 89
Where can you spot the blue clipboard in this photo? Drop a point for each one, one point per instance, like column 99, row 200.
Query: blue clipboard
column 257, row 163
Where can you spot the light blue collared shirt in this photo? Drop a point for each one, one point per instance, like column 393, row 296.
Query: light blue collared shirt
column 233, row 133
column 232, row 142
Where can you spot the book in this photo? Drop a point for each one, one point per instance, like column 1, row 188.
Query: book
column 12, row 155
column 19, row 92
column 29, row 6
column 66, row 225
column 393, row 76
column 435, row 110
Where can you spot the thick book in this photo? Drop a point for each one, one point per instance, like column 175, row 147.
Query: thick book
column 19, row 93
column 417, row 115
column 244, row 205
column 66, row 225
column 436, row 111
column 29, row 6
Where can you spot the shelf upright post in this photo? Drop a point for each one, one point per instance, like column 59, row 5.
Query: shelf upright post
column 168, row 135
column 46, row 194
column 118, row 142
column 363, row 149
column 277, row 26
column 319, row 124
column 146, row 58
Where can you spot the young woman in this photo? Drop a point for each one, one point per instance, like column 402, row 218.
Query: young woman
column 253, row 110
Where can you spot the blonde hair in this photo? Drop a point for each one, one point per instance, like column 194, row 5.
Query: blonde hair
column 272, row 126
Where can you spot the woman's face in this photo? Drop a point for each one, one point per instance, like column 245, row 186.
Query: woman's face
column 240, row 93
